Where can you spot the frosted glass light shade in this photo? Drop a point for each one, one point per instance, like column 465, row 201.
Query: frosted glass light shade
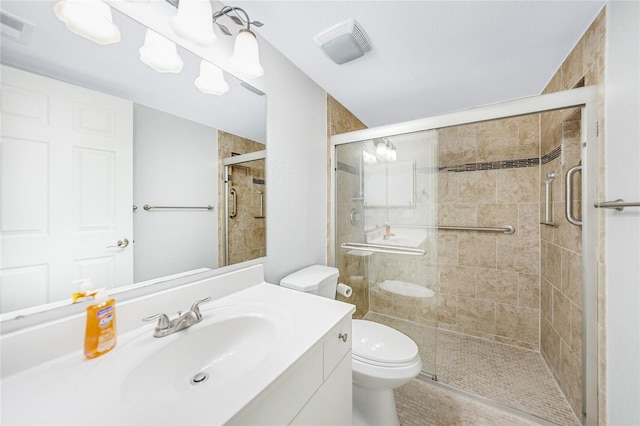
column 211, row 79
column 246, row 56
column 88, row 18
column 160, row 54
column 194, row 22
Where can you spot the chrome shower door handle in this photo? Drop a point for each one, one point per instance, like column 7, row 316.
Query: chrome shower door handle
column 234, row 204
column 568, row 202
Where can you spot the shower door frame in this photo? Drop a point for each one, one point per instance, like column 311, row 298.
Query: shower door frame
column 584, row 98
column 227, row 162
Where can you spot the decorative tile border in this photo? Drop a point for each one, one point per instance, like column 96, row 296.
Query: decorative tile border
column 504, row 164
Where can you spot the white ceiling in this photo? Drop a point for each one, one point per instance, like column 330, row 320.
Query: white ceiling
column 428, row 57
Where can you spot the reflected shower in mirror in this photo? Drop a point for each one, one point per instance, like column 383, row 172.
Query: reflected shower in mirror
column 95, row 146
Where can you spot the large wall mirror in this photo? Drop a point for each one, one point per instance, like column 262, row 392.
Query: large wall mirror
column 115, row 172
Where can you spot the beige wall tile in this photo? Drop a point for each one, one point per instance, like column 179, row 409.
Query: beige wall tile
column 497, row 140
column 457, row 214
column 518, row 254
column 477, row 187
column 562, row 315
column 447, row 249
column 447, row 187
column 447, row 309
column 498, row 286
column 528, row 136
column 458, row 280
column 571, row 376
column 529, row 290
column 476, row 315
column 498, row 215
column 550, row 344
column 457, row 145
column 517, row 322
column 546, row 300
column 572, row 68
column 554, row 265
column 571, row 276
column 518, row 185
column 477, row 251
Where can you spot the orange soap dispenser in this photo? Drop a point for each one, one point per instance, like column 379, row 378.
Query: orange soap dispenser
column 100, row 334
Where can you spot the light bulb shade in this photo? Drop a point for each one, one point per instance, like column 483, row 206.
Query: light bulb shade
column 160, row 54
column 392, row 154
column 194, row 22
column 246, row 56
column 368, row 158
column 88, row 18
column 211, row 79
column 381, row 149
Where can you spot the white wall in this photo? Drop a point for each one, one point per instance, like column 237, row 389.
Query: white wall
column 622, row 112
column 175, row 164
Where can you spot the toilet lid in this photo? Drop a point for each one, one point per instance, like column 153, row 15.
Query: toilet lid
column 377, row 342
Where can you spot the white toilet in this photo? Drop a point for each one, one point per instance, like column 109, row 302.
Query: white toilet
column 382, row 358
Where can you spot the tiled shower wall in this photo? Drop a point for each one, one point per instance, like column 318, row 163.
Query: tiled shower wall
column 489, row 282
column 561, row 289
column 247, row 236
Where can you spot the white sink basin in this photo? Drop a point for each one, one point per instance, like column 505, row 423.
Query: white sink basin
column 412, row 238
column 230, row 342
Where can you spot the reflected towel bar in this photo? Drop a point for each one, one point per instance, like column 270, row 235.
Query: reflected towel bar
column 148, row 207
column 619, row 204
column 507, row 229
column 380, row 248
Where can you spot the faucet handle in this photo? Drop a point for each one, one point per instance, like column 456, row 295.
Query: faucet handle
column 195, row 308
column 163, row 321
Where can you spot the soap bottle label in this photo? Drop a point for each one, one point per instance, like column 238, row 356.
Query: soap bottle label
column 105, row 330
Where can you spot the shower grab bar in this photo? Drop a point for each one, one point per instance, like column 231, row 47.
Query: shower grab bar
column 568, row 202
column 507, row 229
column 148, row 207
column 234, row 204
column 618, row 204
column 380, row 248
column 548, row 204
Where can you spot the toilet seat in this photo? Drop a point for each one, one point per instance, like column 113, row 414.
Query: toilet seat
column 377, row 344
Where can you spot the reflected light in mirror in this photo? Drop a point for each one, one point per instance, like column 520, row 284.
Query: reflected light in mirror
column 211, row 79
column 160, row 54
column 90, row 19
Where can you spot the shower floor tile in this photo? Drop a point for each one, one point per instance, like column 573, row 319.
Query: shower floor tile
column 513, row 376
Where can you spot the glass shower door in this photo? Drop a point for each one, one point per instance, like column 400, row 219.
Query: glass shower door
column 386, row 246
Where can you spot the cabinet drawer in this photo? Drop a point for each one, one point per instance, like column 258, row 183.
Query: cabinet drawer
column 336, row 343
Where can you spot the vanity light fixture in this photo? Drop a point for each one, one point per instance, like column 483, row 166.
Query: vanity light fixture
column 192, row 22
column 88, row 18
column 160, row 53
column 211, row 79
column 245, row 60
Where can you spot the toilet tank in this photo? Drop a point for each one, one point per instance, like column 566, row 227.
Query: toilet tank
column 317, row 279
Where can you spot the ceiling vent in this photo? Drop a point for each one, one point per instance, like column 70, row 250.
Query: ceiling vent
column 15, row 28
column 343, row 42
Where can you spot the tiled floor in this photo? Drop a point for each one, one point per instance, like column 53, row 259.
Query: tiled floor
column 512, row 376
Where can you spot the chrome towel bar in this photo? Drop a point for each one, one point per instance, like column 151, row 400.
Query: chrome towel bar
column 568, row 202
column 507, row 229
column 618, row 204
column 148, row 207
column 380, row 248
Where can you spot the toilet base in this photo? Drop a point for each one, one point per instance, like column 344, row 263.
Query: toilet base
column 374, row 407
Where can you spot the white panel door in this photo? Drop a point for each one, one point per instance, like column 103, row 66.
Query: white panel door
column 67, row 174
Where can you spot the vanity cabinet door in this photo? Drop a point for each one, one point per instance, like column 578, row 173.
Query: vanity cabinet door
column 336, row 343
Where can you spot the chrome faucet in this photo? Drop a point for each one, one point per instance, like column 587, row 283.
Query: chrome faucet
column 166, row 326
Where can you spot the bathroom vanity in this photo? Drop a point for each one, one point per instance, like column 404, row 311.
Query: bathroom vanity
column 262, row 354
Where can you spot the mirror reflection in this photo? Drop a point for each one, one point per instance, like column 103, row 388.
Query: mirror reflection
column 90, row 136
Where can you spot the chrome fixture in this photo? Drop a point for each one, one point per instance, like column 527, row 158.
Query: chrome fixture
column 234, row 204
column 246, row 58
column 548, row 211
column 506, row 229
column 261, row 195
column 166, row 326
column 569, row 196
column 147, row 207
column 120, row 244
column 618, row 204
column 382, row 248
